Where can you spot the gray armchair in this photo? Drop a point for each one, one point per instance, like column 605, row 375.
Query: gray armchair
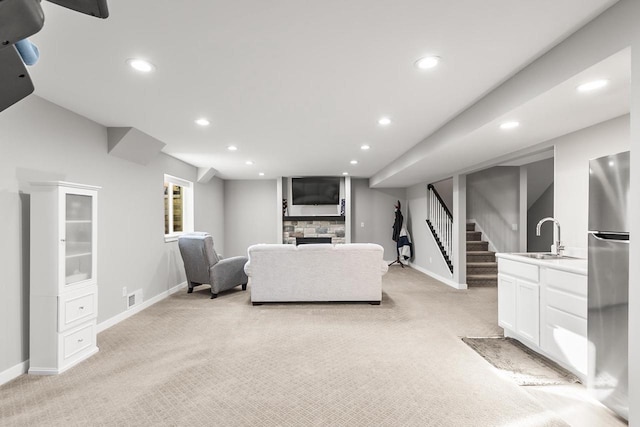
column 203, row 266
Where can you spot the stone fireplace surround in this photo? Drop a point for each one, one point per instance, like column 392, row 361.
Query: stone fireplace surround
column 313, row 226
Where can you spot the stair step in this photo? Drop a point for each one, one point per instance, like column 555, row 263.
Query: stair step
column 474, row 268
column 477, row 246
column 487, row 280
column 481, row 256
column 474, row 236
column 471, row 226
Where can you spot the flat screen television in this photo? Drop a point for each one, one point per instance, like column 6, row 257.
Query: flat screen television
column 315, row 190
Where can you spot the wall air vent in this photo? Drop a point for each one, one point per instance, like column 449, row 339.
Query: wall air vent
column 134, row 299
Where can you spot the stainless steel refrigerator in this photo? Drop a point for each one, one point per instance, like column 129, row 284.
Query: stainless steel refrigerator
column 608, row 267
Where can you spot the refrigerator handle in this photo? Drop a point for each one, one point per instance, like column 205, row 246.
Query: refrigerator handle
column 609, row 237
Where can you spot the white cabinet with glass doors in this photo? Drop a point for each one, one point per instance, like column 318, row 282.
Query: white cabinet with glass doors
column 63, row 270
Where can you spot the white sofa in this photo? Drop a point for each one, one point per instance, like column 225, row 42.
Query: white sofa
column 316, row 272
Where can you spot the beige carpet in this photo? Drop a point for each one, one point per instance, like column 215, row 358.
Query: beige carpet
column 192, row 361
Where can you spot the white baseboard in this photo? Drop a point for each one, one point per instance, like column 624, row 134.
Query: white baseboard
column 138, row 308
column 14, row 372
column 445, row 280
column 23, row 367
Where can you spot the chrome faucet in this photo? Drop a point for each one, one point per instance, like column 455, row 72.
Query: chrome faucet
column 558, row 248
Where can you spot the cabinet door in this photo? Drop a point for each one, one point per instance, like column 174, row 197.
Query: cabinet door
column 528, row 310
column 507, row 302
column 78, row 231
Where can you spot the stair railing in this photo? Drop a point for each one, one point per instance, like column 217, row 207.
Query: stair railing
column 440, row 222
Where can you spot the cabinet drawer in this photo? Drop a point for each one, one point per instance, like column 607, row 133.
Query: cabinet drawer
column 569, row 282
column 76, row 342
column 519, row 269
column 568, row 348
column 570, row 303
column 572, row 323
column 76, row 307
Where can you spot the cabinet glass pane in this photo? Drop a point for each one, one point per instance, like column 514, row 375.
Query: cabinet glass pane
column 78, row 238
column 78, row 207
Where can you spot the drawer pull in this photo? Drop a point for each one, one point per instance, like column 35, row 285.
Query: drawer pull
column 81, row 339
column 81, row 307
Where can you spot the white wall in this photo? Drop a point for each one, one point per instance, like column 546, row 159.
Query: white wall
column 634, row 254
column 573, row 152
column 493, row 200
column 250, row 214
column 445, row 190
column 427, row 255
column 209, row 210
column 374, row 208
column 41, row 141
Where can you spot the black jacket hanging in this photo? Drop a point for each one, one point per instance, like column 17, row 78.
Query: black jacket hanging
column 397, row 225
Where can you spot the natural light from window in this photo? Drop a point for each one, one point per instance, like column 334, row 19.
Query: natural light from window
column 178, row 207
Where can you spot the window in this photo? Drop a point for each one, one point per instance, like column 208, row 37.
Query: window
column 178, row 207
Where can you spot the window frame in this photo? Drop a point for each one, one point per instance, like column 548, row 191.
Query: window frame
column 187, row 207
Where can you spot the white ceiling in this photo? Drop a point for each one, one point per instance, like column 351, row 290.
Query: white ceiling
column 298, row 86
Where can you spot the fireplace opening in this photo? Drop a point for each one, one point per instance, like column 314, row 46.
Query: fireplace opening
column 306, row 240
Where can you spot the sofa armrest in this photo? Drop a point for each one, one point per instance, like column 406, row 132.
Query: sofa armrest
column 385, row 268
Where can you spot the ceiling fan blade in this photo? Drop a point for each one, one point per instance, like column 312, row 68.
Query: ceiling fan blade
column 15, row 82
column 19, row 19
column 97, row 8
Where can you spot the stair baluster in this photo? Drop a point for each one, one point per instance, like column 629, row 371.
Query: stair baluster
column 440, row 222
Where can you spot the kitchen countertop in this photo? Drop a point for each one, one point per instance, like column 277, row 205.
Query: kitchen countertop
column 572, row 265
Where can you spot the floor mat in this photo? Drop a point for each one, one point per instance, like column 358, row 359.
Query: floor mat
column 518, row 362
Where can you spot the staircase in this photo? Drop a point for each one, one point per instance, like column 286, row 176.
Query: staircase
column 482, row 268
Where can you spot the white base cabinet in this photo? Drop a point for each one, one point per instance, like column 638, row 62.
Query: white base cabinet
column 545, row 308
column 64, row 291
column 519, row 299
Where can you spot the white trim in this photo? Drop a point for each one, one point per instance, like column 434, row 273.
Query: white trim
column 188, row 212
column 138, row 308
column 64, row 184
column 53, row 371
column 14, row 372
column 446, row 281
column 485, row 236
column 177, row 181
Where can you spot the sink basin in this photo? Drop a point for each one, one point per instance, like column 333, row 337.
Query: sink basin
column 545, row 255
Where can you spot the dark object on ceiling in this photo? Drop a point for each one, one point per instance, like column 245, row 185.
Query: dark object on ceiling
column 15, row 82
column 97, row 8
column 19, row 19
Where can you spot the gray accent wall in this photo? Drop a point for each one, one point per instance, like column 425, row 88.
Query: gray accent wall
column 373, row 214
column 541, row 208
column 42, row 141
column 250, row 208
column 493, row 201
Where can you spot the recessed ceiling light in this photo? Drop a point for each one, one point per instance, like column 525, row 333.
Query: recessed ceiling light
column 364, row 147
column 509, row 125
column 261, row 174
column 611, row 163
column 354, row 162
column 384, row 121
column 232, row 148
column 141, row 65
column 596, row 84
column 249, row 162
column 345, row 173
column 203, row 122
column 427, row 62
